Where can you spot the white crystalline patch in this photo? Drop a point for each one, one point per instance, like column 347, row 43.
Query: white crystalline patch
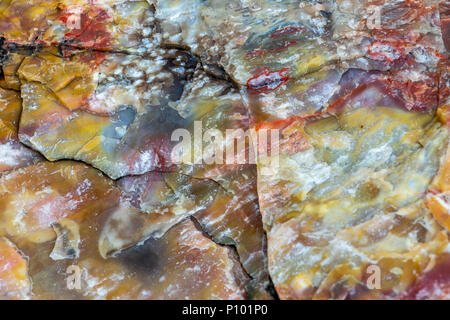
column 323, row 95
column 179, row 70
column 386, row 52
column 109, row 98
column 110, row 236
column 134, row 73
column 343, row 251
column 121, row 130
column 21, row 212
column 146, row 161
column 179, row 208
column 298, row 258
column 147, row 31
column 345, row 5
column 353, row 23
column 13, row 155
column 337, row 140
column 412, row 75
column 94, row 285
column 269, row 105
column 83, row 187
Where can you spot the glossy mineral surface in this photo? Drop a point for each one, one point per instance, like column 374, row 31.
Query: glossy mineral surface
column 98, row 200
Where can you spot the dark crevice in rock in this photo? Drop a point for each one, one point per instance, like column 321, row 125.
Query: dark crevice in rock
column 11, row 47
column 63, row 46
column 216, row 71
column 270, row 288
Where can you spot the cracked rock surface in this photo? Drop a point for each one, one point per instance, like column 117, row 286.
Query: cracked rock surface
column 357, row 93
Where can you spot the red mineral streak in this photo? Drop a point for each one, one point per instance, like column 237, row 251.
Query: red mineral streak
column 291, row 140
column 396, row 36
column 286, row 30
column 414, row 95
column 92, row 58
column 283, row 123
column 92, row 32
column 434, row 191
column 287, row 44
column 268, row 81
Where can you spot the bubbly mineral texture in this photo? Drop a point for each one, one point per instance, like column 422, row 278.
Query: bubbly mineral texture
column 109, row 110
column 256, row 149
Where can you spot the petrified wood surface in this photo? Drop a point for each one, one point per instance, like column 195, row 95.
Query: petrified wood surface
column 92, row 91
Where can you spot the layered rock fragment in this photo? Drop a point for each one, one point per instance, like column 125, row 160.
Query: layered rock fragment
column 347, row 190
column 113, row 25
column 352, row 180
column 58, row 214
column 12, row 153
